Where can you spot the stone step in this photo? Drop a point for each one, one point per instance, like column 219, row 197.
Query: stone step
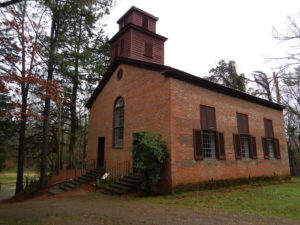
column 89, row 176
column 79, row 180
column 130, row 185
column 74, row 182
column 64, row 188
column 131, row 181
column 69, row 185
column 134, row 177
column 120, row 187
column 83, row 179
column 114, row 191
column 92, row 173
column 54, row 191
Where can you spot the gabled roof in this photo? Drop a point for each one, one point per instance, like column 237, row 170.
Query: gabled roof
column 133, row 8
column 180, row 75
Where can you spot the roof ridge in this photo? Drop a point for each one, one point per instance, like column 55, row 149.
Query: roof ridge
column 181, row 75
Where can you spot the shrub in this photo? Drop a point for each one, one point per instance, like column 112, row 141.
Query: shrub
column 149, row 154
column 104, row 183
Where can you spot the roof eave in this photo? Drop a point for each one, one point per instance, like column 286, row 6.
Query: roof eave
column 133, row 26
column 133, row 8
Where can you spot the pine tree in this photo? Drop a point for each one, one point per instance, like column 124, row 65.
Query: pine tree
column 226, row 74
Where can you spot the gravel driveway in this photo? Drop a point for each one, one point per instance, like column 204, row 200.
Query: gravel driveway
column 89, row 208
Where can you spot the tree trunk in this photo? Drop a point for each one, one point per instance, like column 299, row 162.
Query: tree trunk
column 73, row 119
column 59, row 136
column 46, row 113
column 24, row 92
column 74, row 100
column 21, row 149
column 276, row 84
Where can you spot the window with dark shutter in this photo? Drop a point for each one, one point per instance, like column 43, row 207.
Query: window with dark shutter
column 122, row 47
column 210, row 137
column 245, row 139
column 253, row 151
column 237, row 146
column 220, row 146
column 207, row 118
column 145, row 22
column 148, row 49
column 265, row 147
column 242, row 122
column 269, row 143
column 268, row 128
column 198, row 149
column 277, row 149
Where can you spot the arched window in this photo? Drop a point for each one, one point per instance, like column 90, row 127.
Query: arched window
column 118, row 123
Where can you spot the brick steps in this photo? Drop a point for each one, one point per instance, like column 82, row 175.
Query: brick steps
column 124, row 185
column 70, row 185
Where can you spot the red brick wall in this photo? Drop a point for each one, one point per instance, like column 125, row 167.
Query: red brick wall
column 147, row 95
column 138, row 45
column 171, row 107
column 185, row 101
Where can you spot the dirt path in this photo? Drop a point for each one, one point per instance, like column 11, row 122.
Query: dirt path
column 91, row 208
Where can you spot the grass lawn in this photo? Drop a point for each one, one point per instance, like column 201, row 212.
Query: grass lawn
column 7, row 182
column 8, row 178
column 268, row 200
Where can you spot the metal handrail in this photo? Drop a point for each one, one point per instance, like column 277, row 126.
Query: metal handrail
column 119, row 170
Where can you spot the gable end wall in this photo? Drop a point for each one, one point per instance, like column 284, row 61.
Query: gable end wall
column 147, row 108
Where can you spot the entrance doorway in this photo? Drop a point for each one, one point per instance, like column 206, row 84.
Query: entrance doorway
column 101, row 145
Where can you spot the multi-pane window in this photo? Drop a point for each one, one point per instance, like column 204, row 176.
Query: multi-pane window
column 118, row 123
column 244, row 144
column 269, row 142
column 208, row 125
column 208, row 143
column 270, row 147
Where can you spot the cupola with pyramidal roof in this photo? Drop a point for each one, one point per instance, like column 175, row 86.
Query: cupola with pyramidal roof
column 137, row 38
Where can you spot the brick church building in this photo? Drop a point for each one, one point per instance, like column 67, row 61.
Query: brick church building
column 211, row 131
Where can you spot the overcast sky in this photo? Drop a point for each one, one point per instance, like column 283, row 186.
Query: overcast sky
column 202, row 32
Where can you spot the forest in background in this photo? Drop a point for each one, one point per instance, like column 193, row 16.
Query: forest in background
column 53, row 53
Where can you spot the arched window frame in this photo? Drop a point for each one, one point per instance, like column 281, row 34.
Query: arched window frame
column 118, row 123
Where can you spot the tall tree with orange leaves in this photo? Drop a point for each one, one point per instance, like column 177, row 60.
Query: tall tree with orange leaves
column 19, row 68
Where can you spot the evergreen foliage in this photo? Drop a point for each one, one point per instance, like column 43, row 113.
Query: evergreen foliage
column 226, row 74
column 150, row 155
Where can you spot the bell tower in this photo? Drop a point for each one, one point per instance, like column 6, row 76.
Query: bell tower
column 137, row 38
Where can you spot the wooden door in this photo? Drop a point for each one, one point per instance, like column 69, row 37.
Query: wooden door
column 101, row 145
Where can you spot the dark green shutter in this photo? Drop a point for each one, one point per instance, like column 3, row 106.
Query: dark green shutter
column 220, row 146
column 276, row 148
column 265, row 147
column 253, row 151
column 237, row 146
column 198, row 149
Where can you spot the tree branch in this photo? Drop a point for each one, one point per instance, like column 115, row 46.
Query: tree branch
column 8, row 3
